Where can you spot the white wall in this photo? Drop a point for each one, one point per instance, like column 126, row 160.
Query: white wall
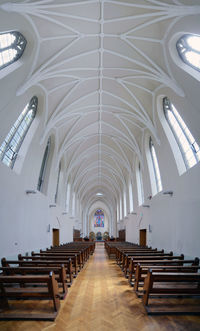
column 25, row 218
column 174, row 220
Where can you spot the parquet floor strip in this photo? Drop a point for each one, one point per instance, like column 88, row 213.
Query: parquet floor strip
column 102, row 300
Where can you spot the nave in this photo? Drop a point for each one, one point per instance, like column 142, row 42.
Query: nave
column 101, row 299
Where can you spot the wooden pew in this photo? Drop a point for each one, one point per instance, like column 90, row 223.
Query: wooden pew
column 154, row 260
column 76, row 258
column 133, row 255
column 120, row 253
column 89, row 246
column 25, row 290
column 53, row 258
column 80, row 256
column 111, row 248
column 38, row 263
column 142, row 270
column 59, row 272
column 158, row 285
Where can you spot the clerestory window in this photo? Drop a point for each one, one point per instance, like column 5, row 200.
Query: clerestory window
column 131, row 206
column 188, row 47
column 12, row 143
column 43, row 166
column 57, row 184
column 187, row 144
column 139, row 185
column 12, row 46
column 156, row 170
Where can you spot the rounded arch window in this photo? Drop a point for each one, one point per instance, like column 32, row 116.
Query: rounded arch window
column 12, row 46
column 188, row 47
column 99, row 218
column 187, row 144
column 156, row 170
column 14, row 139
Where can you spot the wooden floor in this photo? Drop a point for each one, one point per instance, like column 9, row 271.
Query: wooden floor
column 101, row 299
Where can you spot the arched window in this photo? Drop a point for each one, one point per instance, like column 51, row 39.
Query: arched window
column 188, row 47
column 68, row 197
column 12, row 46
column 131, row 206
column 12, row 143
column 188, row 146
column 118, row 213
column 57, row 184
column 120, row 209
column 157, row 177
column 125, row 203
column 99, row 218
column 139, row 185
column 43, row 166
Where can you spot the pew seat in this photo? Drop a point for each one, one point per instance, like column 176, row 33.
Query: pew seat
column 171, row 293
column 59, row 272
column 20, row 288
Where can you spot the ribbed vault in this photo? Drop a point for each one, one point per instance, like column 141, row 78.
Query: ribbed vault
column 100, row 63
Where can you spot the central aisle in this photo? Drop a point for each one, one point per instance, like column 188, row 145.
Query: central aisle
column 101, row 299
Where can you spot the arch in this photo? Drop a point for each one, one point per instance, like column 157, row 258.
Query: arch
column 89, row 217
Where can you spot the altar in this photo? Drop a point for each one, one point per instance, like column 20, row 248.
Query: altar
column 99, row 236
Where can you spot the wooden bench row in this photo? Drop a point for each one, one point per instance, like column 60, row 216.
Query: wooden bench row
column 157, row 276
column 45, row 275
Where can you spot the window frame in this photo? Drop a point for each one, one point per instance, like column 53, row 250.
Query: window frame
column 140, row 187
column 57, row 183
column 131, row 202
column 19, row 44
column 44, row 166
column 182, row 48
column 16, row 130
column 168, row 106
column 156, row 172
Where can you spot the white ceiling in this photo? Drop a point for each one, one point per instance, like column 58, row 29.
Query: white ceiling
column 100, row 64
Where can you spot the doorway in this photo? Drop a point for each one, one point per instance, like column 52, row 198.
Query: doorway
column 143, row 237
column 56, row 241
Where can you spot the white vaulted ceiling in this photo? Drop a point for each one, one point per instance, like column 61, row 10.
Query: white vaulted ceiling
column 100, row 64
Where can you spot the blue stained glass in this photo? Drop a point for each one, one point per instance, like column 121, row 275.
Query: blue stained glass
column 99, row 219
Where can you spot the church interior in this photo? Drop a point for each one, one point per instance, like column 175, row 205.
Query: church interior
column 99, row 150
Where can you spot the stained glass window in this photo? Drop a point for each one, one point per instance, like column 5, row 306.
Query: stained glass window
column 99, row 219
column 12, row 45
